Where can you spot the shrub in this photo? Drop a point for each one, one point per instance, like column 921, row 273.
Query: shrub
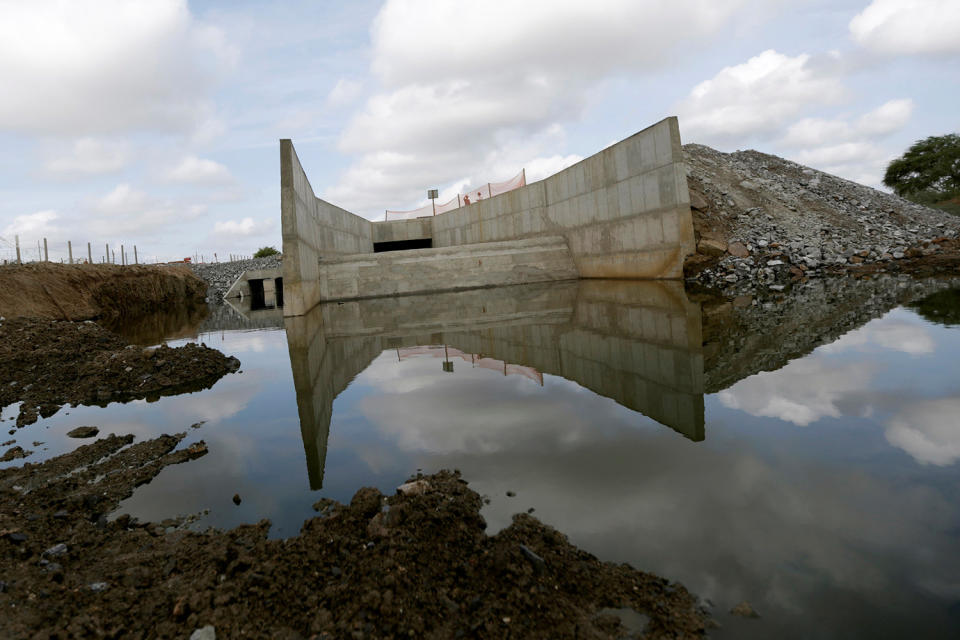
column 263, row 252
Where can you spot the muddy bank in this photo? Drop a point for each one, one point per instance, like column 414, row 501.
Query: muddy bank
column 45, row 364
column 415, row 564
column 91, row 291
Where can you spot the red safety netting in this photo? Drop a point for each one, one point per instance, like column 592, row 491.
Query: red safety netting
column 469, row 197
column 476, row 360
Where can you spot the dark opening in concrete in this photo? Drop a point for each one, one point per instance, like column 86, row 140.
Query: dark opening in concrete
column 403, row 245
column 256, row 294
column 278, row 282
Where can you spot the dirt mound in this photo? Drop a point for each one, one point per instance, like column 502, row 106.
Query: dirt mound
column 760, row 219
column 47, row 363
column 416, row 564
column 88, row 291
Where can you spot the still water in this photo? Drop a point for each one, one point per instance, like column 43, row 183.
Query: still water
column 803, row 458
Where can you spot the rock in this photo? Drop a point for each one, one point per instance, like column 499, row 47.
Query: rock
column 738, row 249
column 236, row 498
column 415, row 488
column 697, row 201
column 367, row 501
column 204, row 633
column 539, row 565
column 712, row 247
column 744, row 610
column 83, row 432
column 56, row 550
column 774, row 263
column 14, row 453
column 16, row 537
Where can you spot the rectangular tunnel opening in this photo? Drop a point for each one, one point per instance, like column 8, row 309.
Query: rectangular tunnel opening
column 403, row 245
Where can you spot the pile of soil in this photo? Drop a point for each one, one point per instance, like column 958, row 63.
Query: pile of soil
column 47, row 363
column 90, row 291
column 416, row 564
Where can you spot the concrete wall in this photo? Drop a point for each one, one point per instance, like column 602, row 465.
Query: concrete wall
column 312, row 228
column 397, row 230
column 539, row 259
column 625, row 211
column 638, row 343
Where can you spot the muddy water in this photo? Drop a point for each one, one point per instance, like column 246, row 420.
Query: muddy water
column 798, row 451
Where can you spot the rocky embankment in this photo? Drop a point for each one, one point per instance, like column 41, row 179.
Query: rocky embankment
column 765, row 221
column 220, row 276
column 416, row 564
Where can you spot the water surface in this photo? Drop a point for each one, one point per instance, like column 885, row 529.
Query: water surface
column 798, row 454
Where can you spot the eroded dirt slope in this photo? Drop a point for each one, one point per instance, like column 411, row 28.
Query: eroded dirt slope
column 89, row 291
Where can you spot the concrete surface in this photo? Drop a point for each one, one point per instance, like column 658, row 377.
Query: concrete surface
column 624, row 213
column 488, row 264
column 636, row 342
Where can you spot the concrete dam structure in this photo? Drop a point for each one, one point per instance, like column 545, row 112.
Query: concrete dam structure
column 638, row 343
column 621, row 213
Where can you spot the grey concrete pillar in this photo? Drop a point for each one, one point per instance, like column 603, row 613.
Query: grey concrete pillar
column 17, row 238
column 46, row 255
column 69, row 252
column 89, row 254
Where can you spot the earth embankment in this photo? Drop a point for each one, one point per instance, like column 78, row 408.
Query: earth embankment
column 94, row 291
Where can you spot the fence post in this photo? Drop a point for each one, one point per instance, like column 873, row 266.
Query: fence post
column 69, row 252
column 523, row 180
column 489, row 191
column 123, row 256
column 135, row 259
column 46, row 256
column 17, row 238
column 89, row 254
column 106, row 255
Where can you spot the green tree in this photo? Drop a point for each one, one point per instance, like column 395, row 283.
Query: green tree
column 929, row 171
column 263, row 252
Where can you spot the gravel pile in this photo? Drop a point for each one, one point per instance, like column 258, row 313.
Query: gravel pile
column 220, row 276
column 769, row 220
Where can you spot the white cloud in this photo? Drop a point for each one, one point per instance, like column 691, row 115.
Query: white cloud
column 196, row 170
column 243, row 228
column 889, row 332
column 34, row 225
column 122, row 199
column 909, row 27
column 90, row 156
column 460, row 85
column 756, row 98
column 344, row 92
column 888, row 118
column 802, row 392
column 928, row 430
column 84, row 67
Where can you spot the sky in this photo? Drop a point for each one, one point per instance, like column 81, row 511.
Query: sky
column 157, row 123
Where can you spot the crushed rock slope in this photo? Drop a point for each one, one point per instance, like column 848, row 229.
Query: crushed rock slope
column 752, row 209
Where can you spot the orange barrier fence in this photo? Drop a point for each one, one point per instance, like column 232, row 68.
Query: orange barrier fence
column 461, row 200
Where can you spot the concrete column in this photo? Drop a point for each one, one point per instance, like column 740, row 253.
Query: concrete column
column 70, row 252
column 123, row 256
column 89, row 254
column 106, row 255
column 17, row 239
column 46, row 256
column 135, row 259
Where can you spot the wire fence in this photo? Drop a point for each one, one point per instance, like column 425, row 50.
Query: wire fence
column 15, row 250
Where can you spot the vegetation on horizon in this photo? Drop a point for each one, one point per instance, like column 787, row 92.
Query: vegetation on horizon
column 928, row 173
column 263, row 252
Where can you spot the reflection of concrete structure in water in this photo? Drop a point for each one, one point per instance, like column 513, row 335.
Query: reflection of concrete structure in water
column 475, row 359
column 637, row 342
